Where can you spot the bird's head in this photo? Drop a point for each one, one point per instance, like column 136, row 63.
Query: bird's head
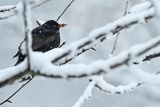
column 54, row 24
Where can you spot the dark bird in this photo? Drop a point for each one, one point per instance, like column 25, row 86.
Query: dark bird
column 44, row 38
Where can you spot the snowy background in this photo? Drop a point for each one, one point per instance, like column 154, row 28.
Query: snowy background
column 81, row 17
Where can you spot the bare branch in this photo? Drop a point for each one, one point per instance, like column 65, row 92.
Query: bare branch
column 115, row 42
column 8, row 99
column 64, row 10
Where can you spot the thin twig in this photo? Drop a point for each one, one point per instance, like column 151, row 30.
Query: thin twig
column 38, row 5
column 8, row 99
column 65, row 10
column 62, row 44
column 115, row 42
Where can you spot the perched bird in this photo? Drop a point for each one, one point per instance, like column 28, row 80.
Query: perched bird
column 44, row 38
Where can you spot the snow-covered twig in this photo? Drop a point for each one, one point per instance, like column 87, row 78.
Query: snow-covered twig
column 7, row 8
column 110, row 89
column 15, row 8
column 27, row 26
column 86, row 95
column 9, row 75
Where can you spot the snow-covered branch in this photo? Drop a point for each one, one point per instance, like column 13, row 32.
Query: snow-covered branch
column 27, row 26
column 110, row 89
column 86, row 95
column 9, row 75
column 7, row 8
column 42, row 65
column 100, row 34
column 17, row 8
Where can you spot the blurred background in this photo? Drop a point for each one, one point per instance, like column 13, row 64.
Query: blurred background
column 82, row 17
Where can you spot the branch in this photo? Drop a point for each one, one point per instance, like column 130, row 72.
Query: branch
column 45, row 68
column 86, row 95
column 40, row 4
column 64, row 10
column 99, row 35
column 8, row 99
column 117, row 35
column 151, row 56
column 7, row 8
column 15, row 8
column 9, row 75
column 27, row 26
column 110, row 89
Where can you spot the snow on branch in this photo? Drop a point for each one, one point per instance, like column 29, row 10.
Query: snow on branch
column 27, row 26
column 9, row 75
column 98, row 35
column 18, row 8
column 100, row 83
column 110, row 89
column 7, row 8
column 42, row 62
column 86, row 95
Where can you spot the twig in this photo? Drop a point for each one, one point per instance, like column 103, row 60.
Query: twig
column 115, row 42
column 64, row 10
column 8, row 99
column 27, row 30
column 62, row 44
column 38, row 5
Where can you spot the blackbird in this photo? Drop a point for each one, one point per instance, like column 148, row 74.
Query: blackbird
column 44, row 38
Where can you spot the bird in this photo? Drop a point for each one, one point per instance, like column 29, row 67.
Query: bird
column 45, row 37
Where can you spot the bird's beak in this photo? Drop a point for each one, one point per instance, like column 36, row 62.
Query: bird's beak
column 61, row 25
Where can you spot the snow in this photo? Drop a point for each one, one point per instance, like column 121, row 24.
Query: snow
column 40, row 22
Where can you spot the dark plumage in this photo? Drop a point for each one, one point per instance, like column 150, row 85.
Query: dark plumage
column 44, row 38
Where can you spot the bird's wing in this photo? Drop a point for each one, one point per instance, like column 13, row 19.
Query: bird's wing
column 41, row 37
